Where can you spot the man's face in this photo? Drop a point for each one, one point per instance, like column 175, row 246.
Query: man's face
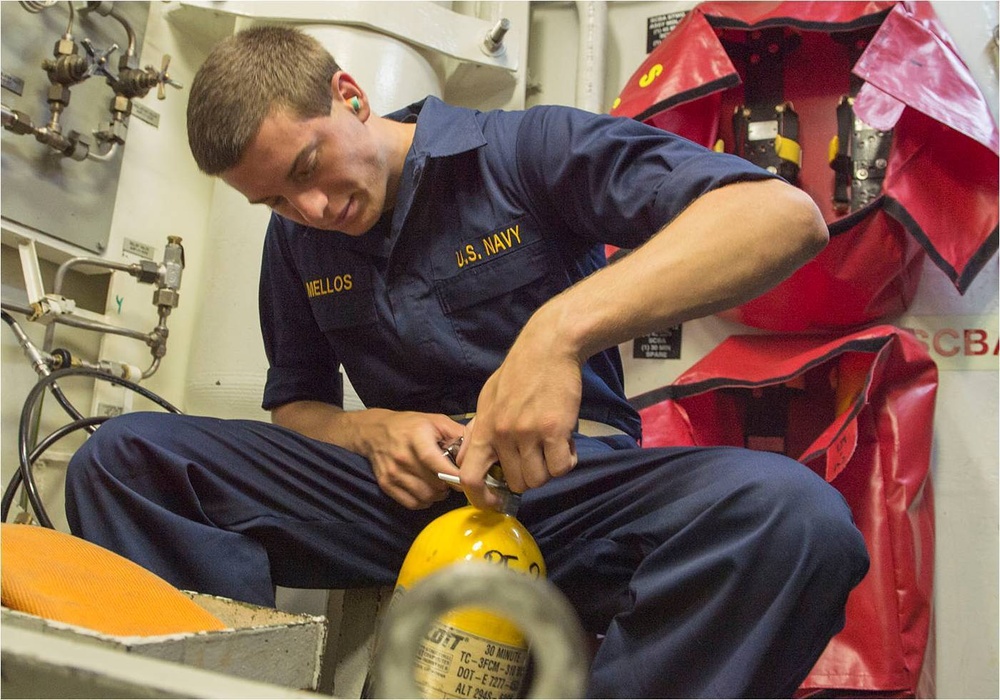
column 326, row 172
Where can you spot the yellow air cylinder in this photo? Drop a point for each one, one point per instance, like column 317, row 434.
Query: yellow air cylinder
column 471, row 652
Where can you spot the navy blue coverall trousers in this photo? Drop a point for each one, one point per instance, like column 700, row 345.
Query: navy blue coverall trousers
column 712, row 572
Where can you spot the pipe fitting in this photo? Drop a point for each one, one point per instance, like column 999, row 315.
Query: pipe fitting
column 58, row 94
column 67, row 70
column 70, row 145
column 16, row 121
column 64, row 46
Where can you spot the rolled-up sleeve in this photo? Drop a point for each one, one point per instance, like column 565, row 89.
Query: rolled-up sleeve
column 302, row 364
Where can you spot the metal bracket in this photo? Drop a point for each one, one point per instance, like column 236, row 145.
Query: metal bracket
column 424, row 24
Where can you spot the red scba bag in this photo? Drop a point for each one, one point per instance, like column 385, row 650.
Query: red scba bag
column 858, row 410
column 939, row 195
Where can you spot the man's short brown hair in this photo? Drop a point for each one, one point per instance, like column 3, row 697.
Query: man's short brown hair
column 244, row 78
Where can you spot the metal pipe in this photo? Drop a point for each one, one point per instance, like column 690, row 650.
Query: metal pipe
column 72, row 17
column 35, row 358
column 18, row 308
column 85, row 324
column 158, row 344
column 592, row 48
column 51, row 135
column 61, row 277
column 107, row 155
column 36, row 6
column 16, row 121
column 151, row 370
column 107, row 9
column 130, row 51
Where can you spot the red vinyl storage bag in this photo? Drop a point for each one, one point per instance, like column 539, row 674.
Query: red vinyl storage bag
column 927, row 185
column 858, row 410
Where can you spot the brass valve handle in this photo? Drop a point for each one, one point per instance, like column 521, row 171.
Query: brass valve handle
column 163, row 78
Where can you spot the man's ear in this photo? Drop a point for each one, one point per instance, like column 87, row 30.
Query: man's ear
column 347, row 91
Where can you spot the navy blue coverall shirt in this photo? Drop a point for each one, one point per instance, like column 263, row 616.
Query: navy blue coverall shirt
column 710, row 571
column 496, row 213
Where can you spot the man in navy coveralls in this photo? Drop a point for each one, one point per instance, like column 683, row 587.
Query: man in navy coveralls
column 451, row 263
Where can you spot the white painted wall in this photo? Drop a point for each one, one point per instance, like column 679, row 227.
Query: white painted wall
column 162, row 194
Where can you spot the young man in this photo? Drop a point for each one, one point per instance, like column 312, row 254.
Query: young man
column 451, row 262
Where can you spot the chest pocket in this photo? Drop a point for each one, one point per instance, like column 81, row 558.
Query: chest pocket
column 342, row 299
column 494, row 278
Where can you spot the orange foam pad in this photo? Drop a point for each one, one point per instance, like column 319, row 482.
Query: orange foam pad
column 61, row 577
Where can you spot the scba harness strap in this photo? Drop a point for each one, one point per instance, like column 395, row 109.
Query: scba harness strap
column 766, row 127
column 859, row 153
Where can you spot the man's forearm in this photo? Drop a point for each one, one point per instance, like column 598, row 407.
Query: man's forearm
column 369, row 432
column 326, row 422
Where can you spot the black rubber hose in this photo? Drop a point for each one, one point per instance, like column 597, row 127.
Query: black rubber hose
column 67, row 406
column 40, row 448
column 24, row 428
column 56, row 391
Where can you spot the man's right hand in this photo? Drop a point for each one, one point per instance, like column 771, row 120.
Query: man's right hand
column 406, row 453
column 404, row 448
